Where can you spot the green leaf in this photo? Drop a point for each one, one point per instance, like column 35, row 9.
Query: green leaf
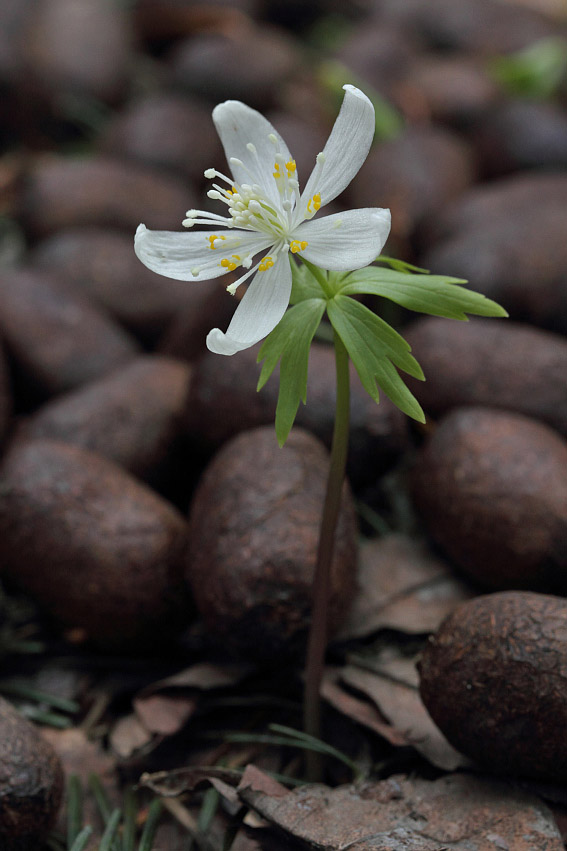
column 536, row 71
column 400, row 265
column 289, row 343
column 376, row 349
column 304, row 284
column 436, row 295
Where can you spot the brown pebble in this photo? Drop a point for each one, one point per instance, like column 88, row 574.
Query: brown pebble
column 223, row 401
column 455, row 90
column 78, row 47
column 513, row 249
column 31, row 782
column 101, row 263
column 248, row 64
column 494, row 679
column 57, row 338
column 61, row 192
column 99, row 551
column 479, row 26
column 522, row 134
column 509, row 197
column 5, row 396
column 414, row 175
column 131, row 416
column 497, row 364
column 380, row 54
column 254, row 527
column 491, row 487
column 168, row 131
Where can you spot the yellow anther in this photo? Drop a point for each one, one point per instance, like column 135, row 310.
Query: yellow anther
column 277, row 170
column 265, row 263
column 291, row 167
column 316, row 201
column 297, row 245
column 212, row 239
column 230, row 265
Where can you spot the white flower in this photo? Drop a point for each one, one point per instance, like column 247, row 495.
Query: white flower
column 268, row 216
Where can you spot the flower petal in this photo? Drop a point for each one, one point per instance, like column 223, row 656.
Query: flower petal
column 177, row 255
column 345, row 241
column 346, row 149
column 262, row 307
column 238, row 125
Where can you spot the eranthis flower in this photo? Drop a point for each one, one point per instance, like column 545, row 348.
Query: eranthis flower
column 268, row 217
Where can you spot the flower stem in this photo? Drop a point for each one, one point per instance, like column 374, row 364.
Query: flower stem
column 317, row 642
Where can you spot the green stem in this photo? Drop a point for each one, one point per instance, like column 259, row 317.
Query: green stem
column 317, row 642
column 320, row 276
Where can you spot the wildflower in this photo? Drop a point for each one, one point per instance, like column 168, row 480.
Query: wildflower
column 268, row 216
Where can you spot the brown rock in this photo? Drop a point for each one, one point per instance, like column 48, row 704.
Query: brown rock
column 223, row 401
column 511, row 247
column 57, row 338
column 97, row 550
column 168, row 131
column 63, row 192
column 31, row 782
column 509, row 197
column 494, row 679
column 492, row 489
column 254, row 526
column 5, row 396
column 454, row 89
column 497, row 364
column 247, row 64
column 158, row 20
column 522, row 134
column 132, row 416
column 78, row 46
column 101, row 262
column 414, row 175
column 480, row 26
column 379, row 53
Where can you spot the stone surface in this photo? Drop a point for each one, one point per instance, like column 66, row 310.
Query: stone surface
column 132, row 416
column 498, row 364
column 5, row 396
column 99, row 551
column 414, row 175
column 101, row 263
column 169, row 131
column 254, row 526
column 62, row 192
column 522, row 134
column 491, row 487
column 31, row 782
column 494, row 678
column 80, row 47
column 57, row 338
column 510, row 246
column 247, row 64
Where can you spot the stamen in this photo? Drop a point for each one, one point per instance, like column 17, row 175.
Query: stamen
column 212, row 240
column 195, row 271
column 265, row 264
column 230, row 265
column 297, row 245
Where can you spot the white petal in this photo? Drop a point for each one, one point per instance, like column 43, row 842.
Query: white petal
column 346, row 149
column 178, row 255
column 239, row 125
column 262, row 307
column 345, row 241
